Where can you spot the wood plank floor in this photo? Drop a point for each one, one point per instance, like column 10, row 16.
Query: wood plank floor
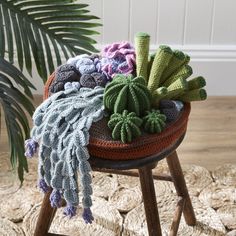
column 211, row 135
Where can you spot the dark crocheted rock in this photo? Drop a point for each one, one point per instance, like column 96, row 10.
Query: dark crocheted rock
column 171, row 109
column 154, row 121
column 87, row 81
column 63, row 74
column 99, row 78
column 126, row 92
column 125, row 126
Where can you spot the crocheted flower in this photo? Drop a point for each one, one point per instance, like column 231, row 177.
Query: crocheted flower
column 31, row 147
column 154, row 121
column 118, row 58
column 87, row 216
column 70, row 210
column 125, row 126
column 126, row 92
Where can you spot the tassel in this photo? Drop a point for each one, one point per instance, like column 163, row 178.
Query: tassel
column 70, row 210
column 31, row 147
column 55, row 198
column 43, row 186
column 87, row 216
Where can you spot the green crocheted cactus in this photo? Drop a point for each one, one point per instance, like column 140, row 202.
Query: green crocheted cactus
column 154, row 121
column 142, row 51
column 127, row 93
column 125, row 126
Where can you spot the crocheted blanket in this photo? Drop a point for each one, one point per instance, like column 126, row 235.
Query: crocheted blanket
column 61, row 129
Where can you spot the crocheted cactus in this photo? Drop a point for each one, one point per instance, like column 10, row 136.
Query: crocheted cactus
column 142, row 51
column 127, row 92
column 125, row 126
column 154, row 121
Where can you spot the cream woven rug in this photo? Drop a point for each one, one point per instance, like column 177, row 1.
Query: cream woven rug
column 118, row 208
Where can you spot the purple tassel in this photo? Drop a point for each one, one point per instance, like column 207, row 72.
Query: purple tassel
column 87, row 216
column 55, row 198
column 31, row 147
column 43, row 186
column 70, row 211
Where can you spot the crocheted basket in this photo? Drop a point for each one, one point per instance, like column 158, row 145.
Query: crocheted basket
column 103, row 146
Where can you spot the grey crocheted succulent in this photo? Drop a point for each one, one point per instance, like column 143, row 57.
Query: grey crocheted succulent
column 61, row 127
column 63, row 74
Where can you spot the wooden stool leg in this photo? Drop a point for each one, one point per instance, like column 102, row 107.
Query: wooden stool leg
column 150, row 203
column 181, row 188
column 45, row 216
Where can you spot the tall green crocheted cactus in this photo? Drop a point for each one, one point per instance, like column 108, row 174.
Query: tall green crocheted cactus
column 154, row 121
column 127, row 93
column 168, row 77
column 125, row 126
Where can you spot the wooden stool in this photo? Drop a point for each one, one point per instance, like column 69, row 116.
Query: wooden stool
column 144, row 167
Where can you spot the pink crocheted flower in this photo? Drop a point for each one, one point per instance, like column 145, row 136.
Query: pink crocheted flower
column 118, row 58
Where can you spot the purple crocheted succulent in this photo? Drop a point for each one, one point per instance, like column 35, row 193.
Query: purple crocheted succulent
column 118, row 58
column 31, row 147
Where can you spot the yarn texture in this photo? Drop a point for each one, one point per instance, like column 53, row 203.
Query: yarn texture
column 127, row 93
column 154, row 121
column 61, row 127
column 125, row 126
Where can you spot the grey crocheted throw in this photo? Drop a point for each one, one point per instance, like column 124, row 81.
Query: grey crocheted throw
column 61, row 130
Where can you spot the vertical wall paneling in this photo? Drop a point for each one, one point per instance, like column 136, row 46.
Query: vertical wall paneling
column 143, row 17
column 224, row 28
column 115, row 20
column 198, row 22
column 96, row 8
column 171, row 21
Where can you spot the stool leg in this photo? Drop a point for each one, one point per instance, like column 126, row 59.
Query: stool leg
column 150, row 203
column 181, row 188
column 45, row 216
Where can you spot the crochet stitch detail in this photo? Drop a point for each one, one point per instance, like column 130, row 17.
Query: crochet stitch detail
column 63, row 136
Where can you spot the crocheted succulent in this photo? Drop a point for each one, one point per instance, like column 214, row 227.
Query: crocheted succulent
column 127, row 92
column 154, row 121
column 125, row 126
column 118, row 58
column 93, row 80
column 63, row 74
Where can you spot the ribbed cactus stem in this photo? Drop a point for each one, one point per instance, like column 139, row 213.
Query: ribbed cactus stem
column 176, row 89
column 160, row 63
column 142, row 50
column 177, row 61
column 196, row 83
column 158, row 95
column 150, row 62
column 194, row 95
column 183, row 72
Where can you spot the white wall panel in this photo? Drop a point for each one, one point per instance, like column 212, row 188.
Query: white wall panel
column 198, row 23
column 96, row 8
column 116, row 20
column 170, row 28
column 224, row 23
column 143, row 17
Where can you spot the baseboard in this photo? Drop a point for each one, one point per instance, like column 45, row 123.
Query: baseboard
column 217, row 63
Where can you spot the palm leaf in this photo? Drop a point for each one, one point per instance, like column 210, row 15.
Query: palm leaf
column 15, row 102
column 38, row 26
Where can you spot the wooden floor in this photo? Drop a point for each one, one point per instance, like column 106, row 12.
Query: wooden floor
column 211, row 136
